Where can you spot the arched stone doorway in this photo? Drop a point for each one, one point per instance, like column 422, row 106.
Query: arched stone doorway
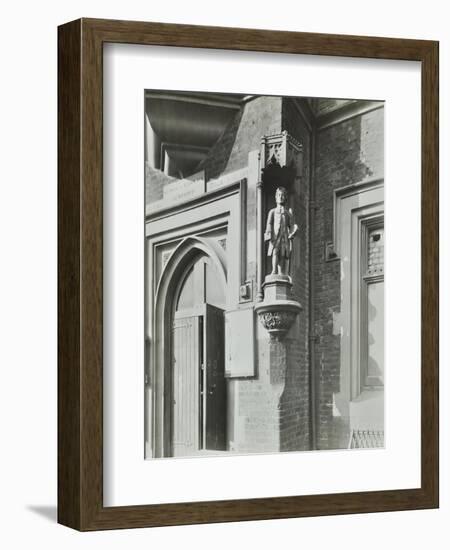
column 190, row 388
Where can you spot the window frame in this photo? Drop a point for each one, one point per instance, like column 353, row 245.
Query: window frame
column 367, row 224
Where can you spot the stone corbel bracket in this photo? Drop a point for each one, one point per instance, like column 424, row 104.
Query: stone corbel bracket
column 278, row 311
column 278, row 317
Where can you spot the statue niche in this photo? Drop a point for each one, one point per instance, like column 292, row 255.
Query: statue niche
column 278, row 310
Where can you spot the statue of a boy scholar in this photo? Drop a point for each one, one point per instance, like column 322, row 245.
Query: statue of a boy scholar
column 280, row 230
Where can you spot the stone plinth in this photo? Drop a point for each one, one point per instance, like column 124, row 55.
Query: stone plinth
column 277, row 312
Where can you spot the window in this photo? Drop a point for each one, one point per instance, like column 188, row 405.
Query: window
column 372, row 304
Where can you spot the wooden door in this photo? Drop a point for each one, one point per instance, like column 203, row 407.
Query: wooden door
column 214, row 384
column 185, row 386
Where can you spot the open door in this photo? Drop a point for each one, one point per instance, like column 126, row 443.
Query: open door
column 185, row 387
column 214, row 382
column 196, row 397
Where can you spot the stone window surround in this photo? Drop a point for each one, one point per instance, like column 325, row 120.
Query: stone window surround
column 352, row 205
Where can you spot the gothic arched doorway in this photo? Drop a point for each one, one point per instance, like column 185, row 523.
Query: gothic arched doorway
column 189, row 304
column 197, row 382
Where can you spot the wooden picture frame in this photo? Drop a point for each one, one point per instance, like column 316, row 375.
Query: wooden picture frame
column 80, row 272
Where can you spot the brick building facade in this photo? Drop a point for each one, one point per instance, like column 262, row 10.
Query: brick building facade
column 227, row 371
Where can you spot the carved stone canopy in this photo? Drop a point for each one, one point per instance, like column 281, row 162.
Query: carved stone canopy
column 282, row 160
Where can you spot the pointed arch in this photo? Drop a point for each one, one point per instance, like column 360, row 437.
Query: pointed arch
column 182, row 256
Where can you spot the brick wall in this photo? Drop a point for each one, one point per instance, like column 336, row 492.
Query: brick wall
column 274, row 410
column 346, row 153
column 155, row 180
column 295, row 401
column 258, row 117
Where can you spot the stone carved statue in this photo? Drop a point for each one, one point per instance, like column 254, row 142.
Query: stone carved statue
column 280, row 231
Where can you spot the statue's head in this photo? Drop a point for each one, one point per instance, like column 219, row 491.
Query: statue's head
column 281, row 195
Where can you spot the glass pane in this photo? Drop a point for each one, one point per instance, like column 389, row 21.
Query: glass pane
column 375, row 312
column 375, row 257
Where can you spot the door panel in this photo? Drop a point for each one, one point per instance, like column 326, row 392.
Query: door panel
column 185, row 386
column 215, row 394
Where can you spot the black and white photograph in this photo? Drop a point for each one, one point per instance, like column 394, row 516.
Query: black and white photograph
column 264, row 274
